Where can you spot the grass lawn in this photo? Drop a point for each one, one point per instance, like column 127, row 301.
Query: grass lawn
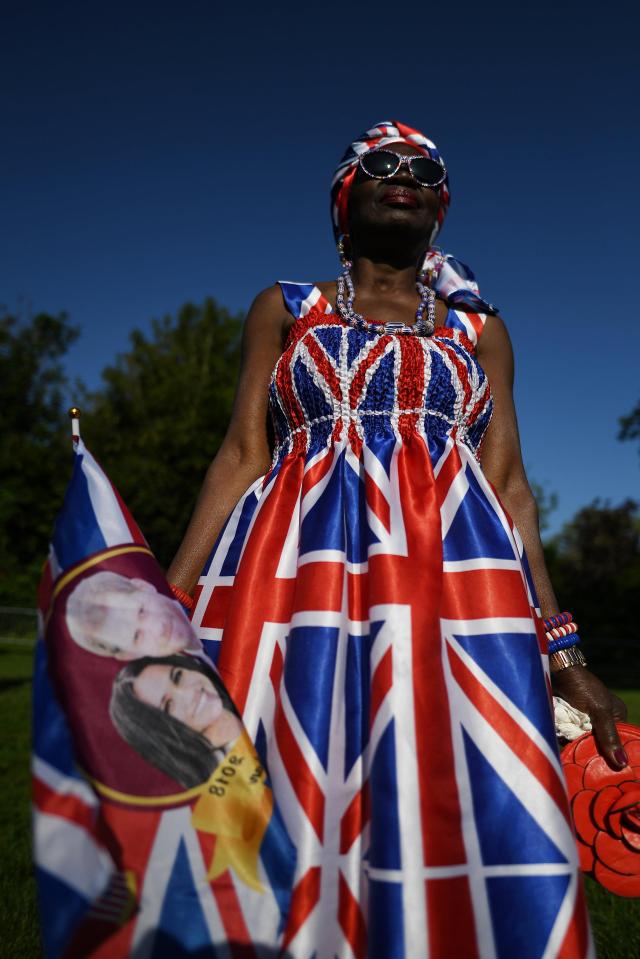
column 18, row 920
column 616, row 922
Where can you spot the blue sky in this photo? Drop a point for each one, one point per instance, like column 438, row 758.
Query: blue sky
column 158, row 153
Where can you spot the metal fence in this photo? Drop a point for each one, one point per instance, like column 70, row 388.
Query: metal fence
column 18, row 625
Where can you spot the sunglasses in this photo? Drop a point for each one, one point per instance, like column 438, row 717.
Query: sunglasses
column 381, row 164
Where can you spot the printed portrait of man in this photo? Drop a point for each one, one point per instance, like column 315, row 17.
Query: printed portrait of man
column 113, row 615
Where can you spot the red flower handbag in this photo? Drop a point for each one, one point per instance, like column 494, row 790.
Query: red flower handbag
column 605, row 804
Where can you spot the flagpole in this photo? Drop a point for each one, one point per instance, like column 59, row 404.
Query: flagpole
column 74, row 416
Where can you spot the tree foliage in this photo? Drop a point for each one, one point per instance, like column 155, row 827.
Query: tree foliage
column 162, row 413
column 35, row 454
column 595, row 568
column 630, row 424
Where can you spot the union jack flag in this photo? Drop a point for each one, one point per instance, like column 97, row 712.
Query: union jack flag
column 121, row 874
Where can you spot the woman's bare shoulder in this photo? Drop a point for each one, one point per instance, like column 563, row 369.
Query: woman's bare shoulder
column 268, row 301
column 494, row 334
column 495, row 351
column 267, row 315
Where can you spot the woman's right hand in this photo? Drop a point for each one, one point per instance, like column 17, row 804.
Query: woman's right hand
column 244, row 454
column 581, row 689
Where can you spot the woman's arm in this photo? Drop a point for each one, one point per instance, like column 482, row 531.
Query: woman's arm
column 244, row 453
column 503, row 467
column 502, row 458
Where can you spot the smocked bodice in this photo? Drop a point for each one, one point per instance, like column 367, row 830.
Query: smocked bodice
column 334, row 382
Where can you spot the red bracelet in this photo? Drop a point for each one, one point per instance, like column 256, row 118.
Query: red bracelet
column 182, row 595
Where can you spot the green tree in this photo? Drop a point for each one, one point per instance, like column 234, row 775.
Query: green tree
column 594, row 564
column 630, row 425
column 35, row 453
column 161, row 414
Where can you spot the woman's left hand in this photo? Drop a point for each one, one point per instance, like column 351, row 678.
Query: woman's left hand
column 586, row 692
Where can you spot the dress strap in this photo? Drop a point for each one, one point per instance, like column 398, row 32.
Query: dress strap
column 300, row 297
column 471, row 324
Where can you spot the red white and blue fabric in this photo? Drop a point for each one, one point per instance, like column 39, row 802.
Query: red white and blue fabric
column 376, row 626
column 85, row 902
column 452, row 280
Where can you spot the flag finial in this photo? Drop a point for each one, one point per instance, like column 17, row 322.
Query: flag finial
column 74, row 416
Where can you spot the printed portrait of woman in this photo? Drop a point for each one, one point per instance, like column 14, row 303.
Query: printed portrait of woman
column 175, row 712
column 126, row 617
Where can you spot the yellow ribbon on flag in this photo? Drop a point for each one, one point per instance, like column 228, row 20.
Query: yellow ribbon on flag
column 235, row 806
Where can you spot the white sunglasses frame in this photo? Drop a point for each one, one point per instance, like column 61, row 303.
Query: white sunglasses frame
column 402, row 160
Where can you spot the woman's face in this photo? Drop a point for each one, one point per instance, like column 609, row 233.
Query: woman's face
column 397, row 201
column 187, row 695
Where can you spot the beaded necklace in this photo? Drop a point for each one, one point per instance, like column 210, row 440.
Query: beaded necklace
column 422, row 326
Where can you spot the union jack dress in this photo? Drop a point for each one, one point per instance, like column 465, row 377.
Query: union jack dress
column 371, row 613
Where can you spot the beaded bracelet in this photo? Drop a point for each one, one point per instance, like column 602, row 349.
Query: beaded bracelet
column 559, row 631
column 562, row 632
column 562, row 637
column 182, row 596
column 555, row 645
column 560, row 619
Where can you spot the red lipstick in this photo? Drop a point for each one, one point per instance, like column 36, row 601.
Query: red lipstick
column 399, row 196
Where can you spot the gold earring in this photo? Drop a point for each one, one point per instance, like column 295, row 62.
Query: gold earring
column 343, row 239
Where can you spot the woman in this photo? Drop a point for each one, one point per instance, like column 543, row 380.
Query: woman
column 175, row 713
column 380, row 638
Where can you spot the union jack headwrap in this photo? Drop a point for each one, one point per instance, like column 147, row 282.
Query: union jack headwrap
column 450, row 278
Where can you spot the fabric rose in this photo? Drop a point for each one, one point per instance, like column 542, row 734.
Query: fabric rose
column 605, row 805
